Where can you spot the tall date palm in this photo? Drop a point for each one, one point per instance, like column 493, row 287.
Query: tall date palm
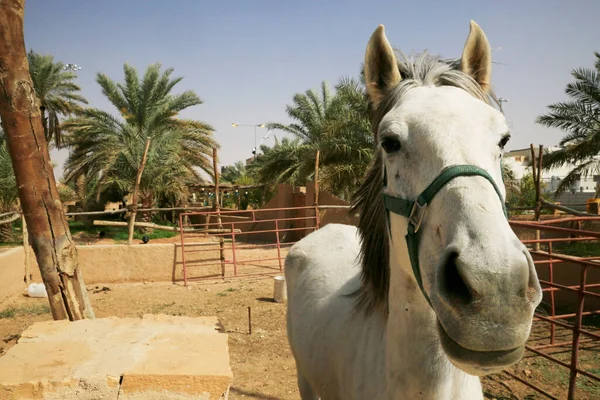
column 580, row 119
column 118, row 148
column 336, row 124
column 57, row 91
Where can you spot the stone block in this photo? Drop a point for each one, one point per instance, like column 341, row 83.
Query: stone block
column 154, row 357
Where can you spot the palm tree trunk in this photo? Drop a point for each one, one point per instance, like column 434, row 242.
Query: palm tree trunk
column 146, row 216
column 49, row 231
column 136, row 190
column 81, row 192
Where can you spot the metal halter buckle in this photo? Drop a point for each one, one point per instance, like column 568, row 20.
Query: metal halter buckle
column 416, row 215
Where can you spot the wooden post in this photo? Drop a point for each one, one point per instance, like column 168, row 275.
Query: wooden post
column 317, row 178
column 538, row 187
column 537, row 179
column 249, row 321
column 20, row 113
column 534, row 175
column 217, row 208
column 27, row 278
column 316, row 199
column 533, row 166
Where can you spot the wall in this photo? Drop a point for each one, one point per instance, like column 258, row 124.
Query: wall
column 576, row 201
column 12, row 272
column 135, row 263
column 286, row 196
column 162, row 262
column 331, row 216
column 568, row 274
column 100, row 264
column 565, row 273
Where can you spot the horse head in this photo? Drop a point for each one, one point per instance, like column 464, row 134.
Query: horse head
column 434, row 199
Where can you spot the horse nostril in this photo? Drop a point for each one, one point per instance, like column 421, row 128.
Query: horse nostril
column 453, row 283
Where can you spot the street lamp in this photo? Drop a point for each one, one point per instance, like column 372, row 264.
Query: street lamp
column 71, row 67
column 255, row 126
column 500, row 101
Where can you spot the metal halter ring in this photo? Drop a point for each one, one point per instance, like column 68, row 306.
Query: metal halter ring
column 416, row 215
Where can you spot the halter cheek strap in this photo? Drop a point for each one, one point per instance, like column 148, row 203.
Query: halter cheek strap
column 415, row 210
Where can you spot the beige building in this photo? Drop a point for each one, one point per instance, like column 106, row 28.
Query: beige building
column 520, row 162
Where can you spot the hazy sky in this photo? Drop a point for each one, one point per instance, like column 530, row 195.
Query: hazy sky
column 246, row 59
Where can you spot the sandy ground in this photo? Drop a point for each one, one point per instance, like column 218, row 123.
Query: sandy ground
column 262, row 364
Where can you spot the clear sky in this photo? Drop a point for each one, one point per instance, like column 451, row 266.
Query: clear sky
column 246, row 59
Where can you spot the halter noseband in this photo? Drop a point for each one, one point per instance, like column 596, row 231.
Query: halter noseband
column 415, row 210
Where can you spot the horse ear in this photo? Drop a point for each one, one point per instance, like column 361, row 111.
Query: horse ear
column 476, row 60
column 381, row 68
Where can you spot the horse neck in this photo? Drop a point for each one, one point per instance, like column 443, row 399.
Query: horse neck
column 415, row 361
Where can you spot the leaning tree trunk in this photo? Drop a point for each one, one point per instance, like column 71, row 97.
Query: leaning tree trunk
column 136, row 190
column 146, row 216
column 49, row 231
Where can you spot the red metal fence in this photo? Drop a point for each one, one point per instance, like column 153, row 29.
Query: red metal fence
column 559, row 333
column 255, row 242
column 236, row 243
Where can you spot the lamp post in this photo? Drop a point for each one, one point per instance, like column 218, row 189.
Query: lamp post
column 255, row 126
column 71, row 67
column 500, row 101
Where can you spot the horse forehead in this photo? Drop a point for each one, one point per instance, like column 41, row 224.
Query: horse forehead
column 442, row 110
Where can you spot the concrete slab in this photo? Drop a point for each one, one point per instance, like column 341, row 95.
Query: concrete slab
column 154, row 357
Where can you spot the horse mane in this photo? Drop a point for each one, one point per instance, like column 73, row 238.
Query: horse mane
column 416, row 70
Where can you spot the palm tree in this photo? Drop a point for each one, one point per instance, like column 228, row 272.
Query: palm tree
column 8, row 189
column 311, row 110
column 287, row 161
column 66, row 193
column 56, row 91
column 347, row 151
column 147, row 134
column 167, row 174
column 241, row 178
column 580, row 118
column 236, row 174
column 338, row 125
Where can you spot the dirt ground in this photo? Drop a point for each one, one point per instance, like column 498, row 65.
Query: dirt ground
column 263, row 367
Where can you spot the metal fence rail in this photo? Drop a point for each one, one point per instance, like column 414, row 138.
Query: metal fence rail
column 236, row 243
column 230, row 244
column 548, row 260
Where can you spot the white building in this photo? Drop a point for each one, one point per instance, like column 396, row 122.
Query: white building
column 520, row 161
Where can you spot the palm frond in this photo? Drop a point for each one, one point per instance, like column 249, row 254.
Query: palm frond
column 336, row 124
column 580, row 119
column 57, row 93
column 110, row 148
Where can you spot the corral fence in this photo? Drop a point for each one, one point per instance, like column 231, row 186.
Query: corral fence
column 241, row 243
column 566, row 330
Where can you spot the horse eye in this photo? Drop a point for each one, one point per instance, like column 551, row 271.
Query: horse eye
column 503, row 141
column 390, row 144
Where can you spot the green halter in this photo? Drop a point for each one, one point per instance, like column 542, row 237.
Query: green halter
column 415, row 210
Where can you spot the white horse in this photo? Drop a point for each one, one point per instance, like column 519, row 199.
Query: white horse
column 434, row 289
